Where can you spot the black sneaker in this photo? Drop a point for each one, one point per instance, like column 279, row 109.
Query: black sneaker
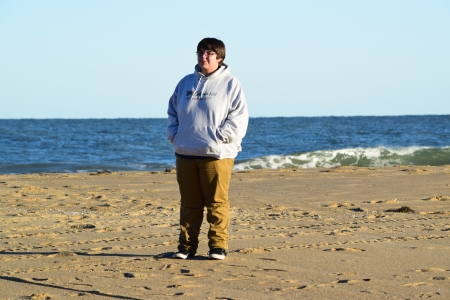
column 183, row 254
column 217, row 253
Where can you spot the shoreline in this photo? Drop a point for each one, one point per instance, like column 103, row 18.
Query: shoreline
column 236, row 168
column 294, row 233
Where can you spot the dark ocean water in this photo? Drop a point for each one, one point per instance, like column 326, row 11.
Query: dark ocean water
column 85, row 145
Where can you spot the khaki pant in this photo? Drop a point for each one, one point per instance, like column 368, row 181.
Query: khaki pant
column 204, row 183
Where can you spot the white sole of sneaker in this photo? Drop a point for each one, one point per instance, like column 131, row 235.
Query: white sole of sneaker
column 216, row 256
column 180, row 256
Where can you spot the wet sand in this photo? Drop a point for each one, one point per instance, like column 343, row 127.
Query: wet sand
column 355, row 233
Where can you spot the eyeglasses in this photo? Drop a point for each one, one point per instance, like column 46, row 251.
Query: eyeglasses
column 207, row 52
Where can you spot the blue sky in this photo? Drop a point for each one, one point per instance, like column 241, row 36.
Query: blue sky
column 122, row 59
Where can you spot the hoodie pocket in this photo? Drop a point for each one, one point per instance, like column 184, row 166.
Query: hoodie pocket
column 197, row 140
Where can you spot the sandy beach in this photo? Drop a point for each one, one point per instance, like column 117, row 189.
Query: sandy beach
column 344, row 233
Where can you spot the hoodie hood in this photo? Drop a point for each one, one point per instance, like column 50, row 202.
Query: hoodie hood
column 223, row 68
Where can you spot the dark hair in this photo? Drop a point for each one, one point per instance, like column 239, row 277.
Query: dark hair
column 214, row 45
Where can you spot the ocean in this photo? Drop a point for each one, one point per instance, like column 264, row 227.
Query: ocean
column 88, row 145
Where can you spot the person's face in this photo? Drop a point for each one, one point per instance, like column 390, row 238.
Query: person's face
column 207, row 61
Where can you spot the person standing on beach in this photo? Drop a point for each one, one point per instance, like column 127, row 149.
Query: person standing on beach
column 207, row 120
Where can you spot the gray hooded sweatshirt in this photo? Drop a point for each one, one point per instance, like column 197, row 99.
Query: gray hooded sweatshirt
column 208, row 115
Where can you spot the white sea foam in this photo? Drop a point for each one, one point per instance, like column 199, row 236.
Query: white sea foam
column 363, row 157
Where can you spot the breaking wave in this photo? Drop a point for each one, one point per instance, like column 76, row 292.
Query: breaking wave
column 360, row 157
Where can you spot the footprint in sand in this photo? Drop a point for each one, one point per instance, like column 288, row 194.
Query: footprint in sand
column 278, row 289
column 389, row 201
column 440, row 278
column 416, row 171
column 251, row 250
column 432, row 270
column 403, row 209
column 335, row 205
column 345, row 249
column 437, row 198
column 83, row 226
column 445, row 213
column 343, row 274
column 39, row 297
column 415, row 284
column 268, row 269
column 352, row 281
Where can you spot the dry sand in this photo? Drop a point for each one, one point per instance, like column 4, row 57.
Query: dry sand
column 345, row 233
